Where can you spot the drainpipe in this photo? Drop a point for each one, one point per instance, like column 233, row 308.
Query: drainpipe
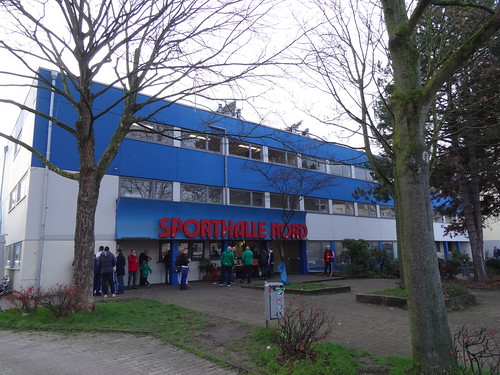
column 225, row 150
column 53, row 75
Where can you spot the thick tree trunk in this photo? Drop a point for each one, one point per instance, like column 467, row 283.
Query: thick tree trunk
column 88, row 195
column 430, row 333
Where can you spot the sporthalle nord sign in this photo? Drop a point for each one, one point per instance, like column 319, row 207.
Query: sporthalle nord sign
column 207, row 228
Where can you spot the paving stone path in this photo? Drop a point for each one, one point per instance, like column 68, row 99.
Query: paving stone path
column 40, row 353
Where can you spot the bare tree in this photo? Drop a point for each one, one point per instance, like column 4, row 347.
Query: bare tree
column 349, row 61
column 172, row 50
column 291, row 185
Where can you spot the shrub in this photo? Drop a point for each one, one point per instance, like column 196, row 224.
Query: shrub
column 300, row 328
column 478, row 351
column 453, row 290
column 26, row 299
column 362, row 258
column 59, row 300
column 493, row 266
column 454, row 263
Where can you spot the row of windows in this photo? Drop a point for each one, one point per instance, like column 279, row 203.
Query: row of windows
column 163, row 190
column 158, row 133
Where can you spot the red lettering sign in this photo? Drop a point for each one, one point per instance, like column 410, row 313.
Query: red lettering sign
column 206, row 228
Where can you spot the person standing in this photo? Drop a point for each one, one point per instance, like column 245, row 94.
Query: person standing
column 145, row 270
column 107, row 262
column 328, row 256
column 97, row 272
column 133, row 267
column 264, row 263
column 120, row 271
column 144, row 256
column 184, row 265
column 496, row 252
column 226, row 266
column 247, row 260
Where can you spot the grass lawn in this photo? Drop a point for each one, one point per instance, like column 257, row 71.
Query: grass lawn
column 200, row 334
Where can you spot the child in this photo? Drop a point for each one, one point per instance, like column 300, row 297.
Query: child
column 145, row 270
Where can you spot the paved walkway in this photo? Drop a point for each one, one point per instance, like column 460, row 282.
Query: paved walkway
column 380, row 330
column 39, row 353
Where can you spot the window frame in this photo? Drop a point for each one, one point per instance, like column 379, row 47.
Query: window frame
column 18, row 193
column 289, row 158
column 370, row 208
column 252, row 198
column 348, row 207
column 320, row 203
column 320, row 163
column 152, row 137
column 254, row 151
column 13, row 255
column 153, row 189
column 208, row 193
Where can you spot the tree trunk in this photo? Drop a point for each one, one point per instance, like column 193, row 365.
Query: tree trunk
column 88, row 194
column 89, row 183
column 430, row 333
column 469, row 191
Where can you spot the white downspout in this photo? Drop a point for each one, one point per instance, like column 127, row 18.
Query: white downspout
column 53, row 75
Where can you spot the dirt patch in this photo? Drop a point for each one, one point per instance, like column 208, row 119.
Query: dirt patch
column 224, row 339
column 371, row 367
column 492, row 283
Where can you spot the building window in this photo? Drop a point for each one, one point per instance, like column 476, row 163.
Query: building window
column 313, row 164
column 152, row 132
column 363, row 174
column 13, row 259
column 245, row 150
column 146, row 189
column 282, row 157
column 164, row 190
column 365, row 209
column 18, row 193
column 283, row 201
column 201, row 142
column 343, row 208
column 246, row 198
column 316, row 204
column 343, row 170
column 387, row 211
column 135, row 188
column 201, row 194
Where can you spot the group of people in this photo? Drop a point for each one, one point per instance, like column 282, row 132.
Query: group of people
column 227, row 259
column 109, row 270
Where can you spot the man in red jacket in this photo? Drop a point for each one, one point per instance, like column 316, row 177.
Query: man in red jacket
column 133, row 267
column 328, row 256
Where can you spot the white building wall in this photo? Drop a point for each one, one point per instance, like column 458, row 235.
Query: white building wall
column 339, row 227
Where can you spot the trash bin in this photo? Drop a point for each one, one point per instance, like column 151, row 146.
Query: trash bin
column 274, row 300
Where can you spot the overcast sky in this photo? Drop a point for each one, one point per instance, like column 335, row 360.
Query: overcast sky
column 285, row 102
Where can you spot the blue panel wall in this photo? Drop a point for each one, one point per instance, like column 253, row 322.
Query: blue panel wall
column 155, row 161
